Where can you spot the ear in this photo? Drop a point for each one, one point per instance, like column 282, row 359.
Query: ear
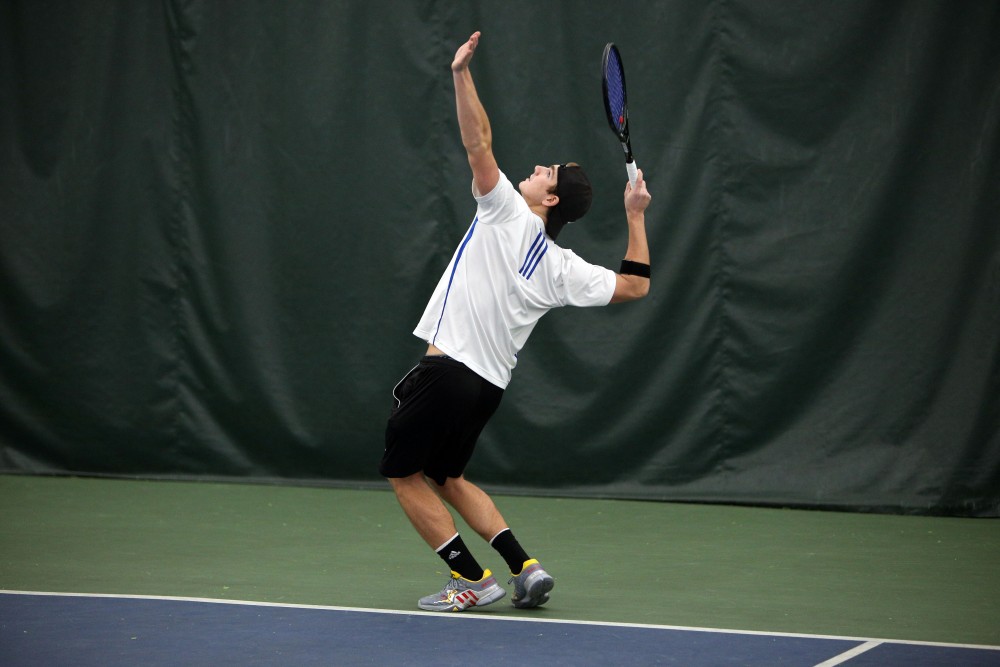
column 551, row 199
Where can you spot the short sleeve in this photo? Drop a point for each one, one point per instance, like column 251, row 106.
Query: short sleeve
column 585, row 284
column 500, row 204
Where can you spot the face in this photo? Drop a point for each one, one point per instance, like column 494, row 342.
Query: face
column 539, row 188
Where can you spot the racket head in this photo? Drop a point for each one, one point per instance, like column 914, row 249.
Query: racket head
column 615, row 100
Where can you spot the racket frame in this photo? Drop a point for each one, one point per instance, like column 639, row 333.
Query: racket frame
column 621, row 132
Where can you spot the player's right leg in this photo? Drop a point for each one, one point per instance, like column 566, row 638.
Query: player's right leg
column 424, row 509
column 475, row 506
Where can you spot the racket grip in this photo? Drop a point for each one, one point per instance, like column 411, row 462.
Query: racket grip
column 631, row 169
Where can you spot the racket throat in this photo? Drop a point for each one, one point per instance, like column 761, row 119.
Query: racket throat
column 628, row 152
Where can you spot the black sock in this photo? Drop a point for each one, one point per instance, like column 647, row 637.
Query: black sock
column 510, row 549
column 457, row 557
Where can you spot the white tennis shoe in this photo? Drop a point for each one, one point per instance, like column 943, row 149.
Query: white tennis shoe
column 460, row 594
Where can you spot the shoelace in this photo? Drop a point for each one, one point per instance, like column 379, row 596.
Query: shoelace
column 452, row 585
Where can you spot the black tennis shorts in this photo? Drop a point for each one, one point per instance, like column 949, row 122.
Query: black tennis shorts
column 438, row 411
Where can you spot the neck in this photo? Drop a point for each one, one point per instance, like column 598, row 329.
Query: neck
column 541, row 210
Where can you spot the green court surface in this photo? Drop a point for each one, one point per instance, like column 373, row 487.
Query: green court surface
column 771, row 570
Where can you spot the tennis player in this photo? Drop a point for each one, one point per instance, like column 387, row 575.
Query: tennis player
column 505, row 274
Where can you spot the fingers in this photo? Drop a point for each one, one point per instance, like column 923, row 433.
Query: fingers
column 471, row 45
column 637, row 198
column 639, row 182
column 465, row 52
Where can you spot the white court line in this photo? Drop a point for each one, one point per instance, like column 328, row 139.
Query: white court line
column 481, row 616
column 847, row 655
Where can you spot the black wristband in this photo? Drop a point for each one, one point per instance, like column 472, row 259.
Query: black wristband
column 634, row 268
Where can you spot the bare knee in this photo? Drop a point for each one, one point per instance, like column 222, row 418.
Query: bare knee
column 454, row 488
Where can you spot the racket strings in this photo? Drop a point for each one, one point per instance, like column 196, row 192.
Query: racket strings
column 616, row 91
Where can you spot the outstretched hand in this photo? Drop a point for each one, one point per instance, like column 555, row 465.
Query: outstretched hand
column 637, row 198
column 464, row 54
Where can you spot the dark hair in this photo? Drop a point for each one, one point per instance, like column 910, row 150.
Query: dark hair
column 575, row 195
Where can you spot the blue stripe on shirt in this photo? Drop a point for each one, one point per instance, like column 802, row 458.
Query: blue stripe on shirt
column 531, row 251
column 538, row 261
column 535, row 253
column 458, row 258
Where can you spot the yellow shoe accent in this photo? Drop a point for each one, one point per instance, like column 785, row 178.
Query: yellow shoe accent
column 527, row 563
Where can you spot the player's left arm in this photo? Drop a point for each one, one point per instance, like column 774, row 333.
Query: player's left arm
column 632, row 286
column 477, row 136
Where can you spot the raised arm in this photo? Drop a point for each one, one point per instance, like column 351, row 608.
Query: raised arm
column 477, row 137
column 629, row 286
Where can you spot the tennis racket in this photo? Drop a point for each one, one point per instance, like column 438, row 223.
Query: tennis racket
column 616, row 104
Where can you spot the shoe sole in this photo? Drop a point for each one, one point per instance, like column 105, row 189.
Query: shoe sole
column 536, row 593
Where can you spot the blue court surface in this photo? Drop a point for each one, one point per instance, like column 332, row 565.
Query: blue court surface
column 43, row 629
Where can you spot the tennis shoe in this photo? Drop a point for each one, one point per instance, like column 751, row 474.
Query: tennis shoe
column 460, row 594
column 532, row 586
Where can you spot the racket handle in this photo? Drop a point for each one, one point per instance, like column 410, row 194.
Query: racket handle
column 631, row 169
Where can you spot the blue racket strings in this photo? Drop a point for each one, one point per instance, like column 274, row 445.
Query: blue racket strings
column 616, row 90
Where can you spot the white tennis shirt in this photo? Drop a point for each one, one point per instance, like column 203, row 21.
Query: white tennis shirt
column 503, row 277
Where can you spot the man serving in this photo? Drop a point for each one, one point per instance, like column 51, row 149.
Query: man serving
column 505, row 274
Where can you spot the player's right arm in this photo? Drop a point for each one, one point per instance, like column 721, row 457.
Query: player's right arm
column 477, row 137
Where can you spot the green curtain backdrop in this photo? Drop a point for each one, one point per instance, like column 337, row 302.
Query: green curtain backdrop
column 220, row 221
